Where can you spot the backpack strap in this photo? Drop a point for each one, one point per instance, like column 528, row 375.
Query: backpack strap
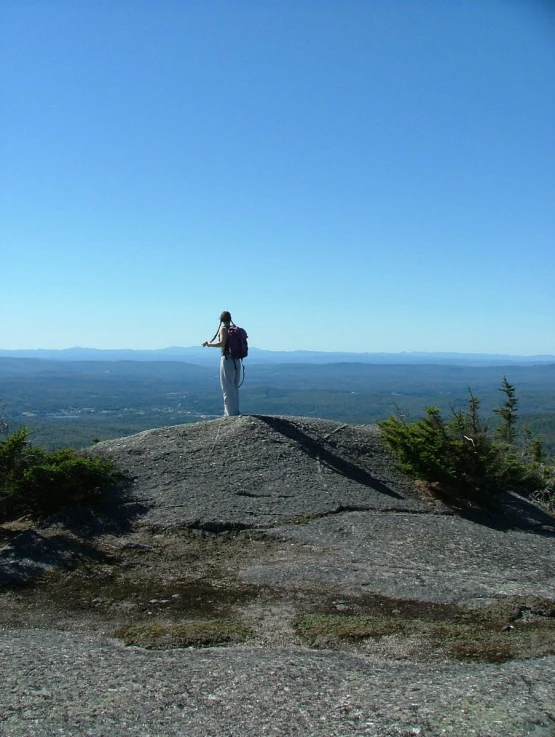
column 243, row 365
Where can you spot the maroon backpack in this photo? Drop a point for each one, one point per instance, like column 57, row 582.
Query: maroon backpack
column 237, row 345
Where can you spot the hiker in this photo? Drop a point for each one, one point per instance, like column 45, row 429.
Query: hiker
column 233, row 343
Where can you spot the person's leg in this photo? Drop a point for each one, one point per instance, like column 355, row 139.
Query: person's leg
column 229, row 391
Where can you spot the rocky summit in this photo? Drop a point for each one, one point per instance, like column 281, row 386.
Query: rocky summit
column 266, row 575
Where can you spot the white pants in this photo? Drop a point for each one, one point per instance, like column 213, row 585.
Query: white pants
column 230, row 378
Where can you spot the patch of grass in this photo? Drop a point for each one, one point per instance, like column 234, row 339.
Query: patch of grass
column 323, row 628
column 302, row 520
column 167, row 635
column 482, row 644
column 481, row 650
column 105, row 588
column 505, row 630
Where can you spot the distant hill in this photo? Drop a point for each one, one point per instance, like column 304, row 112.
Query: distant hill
column 202, row 356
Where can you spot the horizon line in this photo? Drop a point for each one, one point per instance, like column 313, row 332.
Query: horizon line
column 301, row 350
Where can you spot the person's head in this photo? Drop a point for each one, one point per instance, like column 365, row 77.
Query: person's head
column 225, row 316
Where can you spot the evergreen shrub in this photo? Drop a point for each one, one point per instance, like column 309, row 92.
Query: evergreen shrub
column 462, row 458
column 37, row 483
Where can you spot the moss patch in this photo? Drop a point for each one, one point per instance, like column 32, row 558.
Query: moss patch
column 104, row 590
column 177, row 588
column 165, row 635
column 508, row 629
column 316, row 628
column 301, row 520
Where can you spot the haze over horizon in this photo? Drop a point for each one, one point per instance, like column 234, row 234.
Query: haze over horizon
column 194, row 353
column 348, row 177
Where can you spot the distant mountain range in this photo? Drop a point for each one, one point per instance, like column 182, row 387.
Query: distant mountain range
column 207, row 356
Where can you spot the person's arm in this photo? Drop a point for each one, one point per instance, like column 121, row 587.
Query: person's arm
column 221, row 342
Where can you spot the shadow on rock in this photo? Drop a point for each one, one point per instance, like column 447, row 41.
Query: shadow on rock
column 315, row 449
column 504, row 513
column 30, row 554
column 67, row 537
column 114, row 514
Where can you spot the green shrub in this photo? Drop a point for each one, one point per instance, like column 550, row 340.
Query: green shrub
column 36, row 482
column 462, row 458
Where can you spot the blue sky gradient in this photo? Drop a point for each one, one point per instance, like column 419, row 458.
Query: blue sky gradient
column 352, row 176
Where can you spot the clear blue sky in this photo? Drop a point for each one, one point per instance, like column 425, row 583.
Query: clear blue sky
column 357, row 175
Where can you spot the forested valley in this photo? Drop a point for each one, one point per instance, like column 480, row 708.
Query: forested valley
column 75, row 403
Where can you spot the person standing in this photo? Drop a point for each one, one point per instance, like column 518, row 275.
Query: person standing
column 230, row 368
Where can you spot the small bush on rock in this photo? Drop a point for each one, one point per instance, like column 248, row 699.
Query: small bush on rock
column 36, row 482
column 462, row 458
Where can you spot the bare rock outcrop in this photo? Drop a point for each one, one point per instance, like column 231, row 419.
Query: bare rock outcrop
column 258, row 471
column 278, row 527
